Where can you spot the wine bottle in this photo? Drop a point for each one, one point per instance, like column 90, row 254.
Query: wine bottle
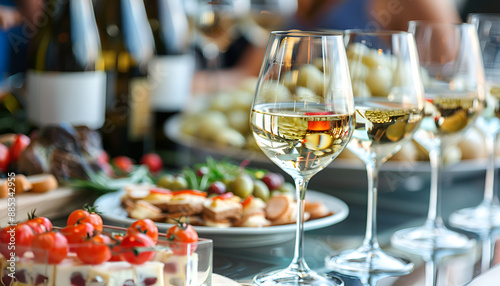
column 127, row 47
column 65, row 79
column 171, row 70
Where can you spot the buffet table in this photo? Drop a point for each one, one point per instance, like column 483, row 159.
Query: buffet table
column 398, row 209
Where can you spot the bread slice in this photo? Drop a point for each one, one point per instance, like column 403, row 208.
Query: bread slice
column 222, row 210
column 42, row 183
column 22, row 184
column 4, row 188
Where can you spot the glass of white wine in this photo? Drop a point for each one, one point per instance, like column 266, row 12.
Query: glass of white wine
column 453, row 77
column 215, row 22
column 389, row 101
column 486, row 215
column 302, row 118
column 266, row 16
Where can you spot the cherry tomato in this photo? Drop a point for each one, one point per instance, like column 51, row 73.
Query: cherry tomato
column 152, row 161
column 103, row 162
column 42, row 221
column 103, row 157
column 135, row 248
column 19, row 236
column 51, row 244
column 4, row 157
column 36, row 227
column 115, row 250
column 87, row 214
column 95, row 250
column 123, row 163
column 77, row 233
column 186, row 235
column 20, row 143
column 145, row 226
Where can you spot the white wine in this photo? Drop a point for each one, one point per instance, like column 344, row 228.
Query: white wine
column 127, row 47
column 301, row 139
column 447, row 118
column 382, row 128
column 214, row 22
column 489, row 121
column 65, row 78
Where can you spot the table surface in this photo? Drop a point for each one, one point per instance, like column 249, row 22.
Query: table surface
column 398, row 208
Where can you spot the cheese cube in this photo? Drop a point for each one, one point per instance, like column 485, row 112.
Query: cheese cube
column 111, row 274
column 150, row 273
column 71, row 272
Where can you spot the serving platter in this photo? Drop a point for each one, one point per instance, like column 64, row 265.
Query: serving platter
column 230, row 237
column 344, row 171
column 172, row 130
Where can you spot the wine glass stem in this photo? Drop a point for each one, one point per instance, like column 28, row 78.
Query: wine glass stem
column 489, row 190
column 486, row 250
column 372, row 171
column 298, row 263
column 211, row 53
column 436, row 161
column 430, row 271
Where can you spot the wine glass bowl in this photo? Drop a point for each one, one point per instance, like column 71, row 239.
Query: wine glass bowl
column 214, row 25
column 389, row 108
column 302, row 118
column 215, row 21
column 486, row 215
column 453, row 78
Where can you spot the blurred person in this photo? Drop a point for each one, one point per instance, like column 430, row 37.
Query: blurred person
column 337, row 15
column 18, row 23
column 18, row 18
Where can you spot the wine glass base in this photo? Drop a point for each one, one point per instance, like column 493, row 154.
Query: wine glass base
column 366, row 260
column 480, row 218
column 291, row 277
column 426, row 239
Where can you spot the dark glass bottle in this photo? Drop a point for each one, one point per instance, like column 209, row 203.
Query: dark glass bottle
column 127, row 47
column 65, row 78
column 171, row 70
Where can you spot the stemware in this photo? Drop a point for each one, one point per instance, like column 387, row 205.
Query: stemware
column 215, row 23
column 487, row 214
column 302, row 118
column 389, row 108
column 266, row 16
column 453, row 78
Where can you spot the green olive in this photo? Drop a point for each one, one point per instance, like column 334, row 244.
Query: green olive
column 287, row 188
column 261, row 190
column 242, row 186
column 172, row 182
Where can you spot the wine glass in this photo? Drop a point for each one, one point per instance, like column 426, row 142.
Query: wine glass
column 302, row 118
column 266, row 16
column 487, row 214
column 389, row 108
column 453, row 78
column 214, row 22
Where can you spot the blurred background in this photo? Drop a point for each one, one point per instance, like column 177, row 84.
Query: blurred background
column 127, row 70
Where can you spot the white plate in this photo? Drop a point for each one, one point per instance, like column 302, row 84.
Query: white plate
column 110, row 206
